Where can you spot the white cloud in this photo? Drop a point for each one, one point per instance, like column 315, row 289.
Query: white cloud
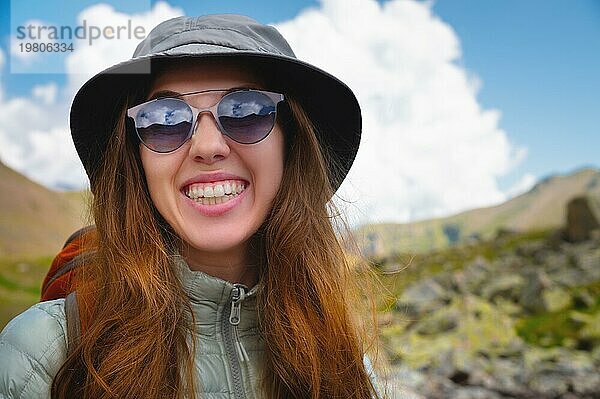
column 35, row 140
column 45, row 93
column 428, row 148
column 87, row 60
column 2, row 60
column 34, row 131
column 525, row 184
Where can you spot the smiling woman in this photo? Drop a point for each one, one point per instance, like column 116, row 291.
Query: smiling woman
column 215, row 234
column 216, row 270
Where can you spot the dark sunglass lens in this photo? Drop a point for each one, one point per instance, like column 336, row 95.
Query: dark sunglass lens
column 247, row 116
column 164, row 125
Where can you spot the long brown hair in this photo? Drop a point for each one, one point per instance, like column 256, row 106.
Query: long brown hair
column 314, row 342
column 308, row 312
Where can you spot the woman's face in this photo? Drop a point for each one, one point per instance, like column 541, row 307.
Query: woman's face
column 213, row 233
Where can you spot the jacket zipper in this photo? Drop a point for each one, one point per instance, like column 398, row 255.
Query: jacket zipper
column 233, row 346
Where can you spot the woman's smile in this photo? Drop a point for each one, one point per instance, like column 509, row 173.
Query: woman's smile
column 216, row 199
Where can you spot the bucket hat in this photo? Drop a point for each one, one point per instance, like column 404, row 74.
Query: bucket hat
column 329, row 103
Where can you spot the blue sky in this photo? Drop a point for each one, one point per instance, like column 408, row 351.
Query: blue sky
column 537, row 62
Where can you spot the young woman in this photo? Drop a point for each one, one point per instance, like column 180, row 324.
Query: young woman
column 213, row 155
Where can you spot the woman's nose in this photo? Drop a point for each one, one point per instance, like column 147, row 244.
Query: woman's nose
column 207, row 142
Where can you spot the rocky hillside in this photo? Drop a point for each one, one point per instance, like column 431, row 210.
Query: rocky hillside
column 513, row 317
column 35, row 221
column 543, row 207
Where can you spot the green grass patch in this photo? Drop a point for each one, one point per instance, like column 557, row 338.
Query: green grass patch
column 551, row 329
column 20, row 285
column 548, row 329
column 512, row 241
column 13, row 285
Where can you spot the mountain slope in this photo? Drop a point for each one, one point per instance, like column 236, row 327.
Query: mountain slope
column 35, row 221
column 543, row 207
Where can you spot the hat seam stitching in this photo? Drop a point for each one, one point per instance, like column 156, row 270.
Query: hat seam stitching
column 261, row 44
column 261, row 47
column 211, row 44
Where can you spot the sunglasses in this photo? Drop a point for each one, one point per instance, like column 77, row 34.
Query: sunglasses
column 164, row 124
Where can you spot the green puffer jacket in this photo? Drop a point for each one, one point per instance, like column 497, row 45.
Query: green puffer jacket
column 33, row 345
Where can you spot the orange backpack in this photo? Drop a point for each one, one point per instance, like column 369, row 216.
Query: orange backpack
column 59, row 281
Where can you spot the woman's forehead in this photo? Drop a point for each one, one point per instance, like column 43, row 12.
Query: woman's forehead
column 203, row 75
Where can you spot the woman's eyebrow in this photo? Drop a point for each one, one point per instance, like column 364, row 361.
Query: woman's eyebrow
column 244, row 87
column 164, row 93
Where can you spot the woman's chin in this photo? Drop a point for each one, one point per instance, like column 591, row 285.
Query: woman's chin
column 215, row 241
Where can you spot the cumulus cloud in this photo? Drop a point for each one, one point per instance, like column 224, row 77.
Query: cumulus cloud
column 34, row 134
column 45, row 93
column 2, row 61
column 525, row 184
column 35, row 140
column 428, row 147
column 103, row 53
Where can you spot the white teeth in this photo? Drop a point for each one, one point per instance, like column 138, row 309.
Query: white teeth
column 225, row 190
column 219, row 191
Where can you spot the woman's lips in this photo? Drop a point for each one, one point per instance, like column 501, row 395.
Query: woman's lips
column 216, row 209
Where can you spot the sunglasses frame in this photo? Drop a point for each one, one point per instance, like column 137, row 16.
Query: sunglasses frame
column 133, row 113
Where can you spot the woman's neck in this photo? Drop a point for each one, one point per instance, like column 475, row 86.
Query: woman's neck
column 232, row 266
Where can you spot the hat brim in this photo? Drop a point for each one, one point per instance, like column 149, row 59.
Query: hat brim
column 328, row 102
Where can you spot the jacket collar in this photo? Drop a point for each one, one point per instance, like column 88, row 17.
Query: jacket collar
column 211, row 296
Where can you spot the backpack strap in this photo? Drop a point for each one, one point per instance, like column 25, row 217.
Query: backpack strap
column 77, row 251
column 73, row 322
column 78, row 234
column 67, row 267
